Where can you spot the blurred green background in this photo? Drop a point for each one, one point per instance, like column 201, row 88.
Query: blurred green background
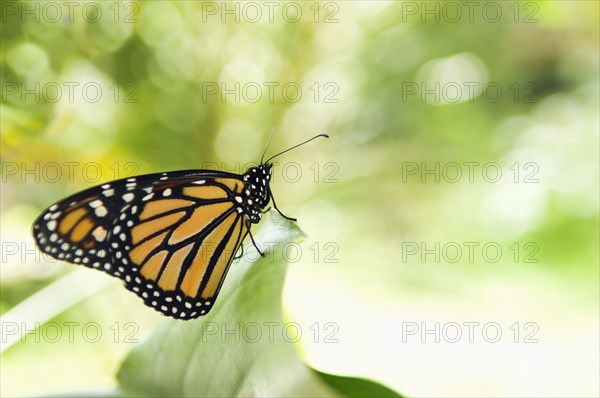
column 459, row 186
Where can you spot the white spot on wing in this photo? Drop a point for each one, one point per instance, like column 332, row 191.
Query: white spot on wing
column 99, row 233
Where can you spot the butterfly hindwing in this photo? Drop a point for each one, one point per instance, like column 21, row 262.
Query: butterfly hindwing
column 170, row 237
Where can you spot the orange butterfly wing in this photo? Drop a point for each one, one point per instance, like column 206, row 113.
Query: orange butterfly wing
column 170, row 237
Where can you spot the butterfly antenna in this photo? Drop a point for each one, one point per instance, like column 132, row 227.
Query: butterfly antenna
column 267, row 147
column 296, row 146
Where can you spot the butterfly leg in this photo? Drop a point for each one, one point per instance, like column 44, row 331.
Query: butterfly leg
column 241, row 253
column 253, row 242
column 279, row 211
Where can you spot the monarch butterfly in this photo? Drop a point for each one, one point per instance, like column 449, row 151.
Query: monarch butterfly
column 170, row 237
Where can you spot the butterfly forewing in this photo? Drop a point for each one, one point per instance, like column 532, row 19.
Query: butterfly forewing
column 170, row 237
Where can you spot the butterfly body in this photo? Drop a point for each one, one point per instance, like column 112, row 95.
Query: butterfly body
column 169, row 237
column 257, row 193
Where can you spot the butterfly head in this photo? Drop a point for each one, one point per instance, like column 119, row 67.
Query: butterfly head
column 257, row 191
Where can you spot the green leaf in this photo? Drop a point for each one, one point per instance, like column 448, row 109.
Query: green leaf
column 355, row 387
column 221, row 354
